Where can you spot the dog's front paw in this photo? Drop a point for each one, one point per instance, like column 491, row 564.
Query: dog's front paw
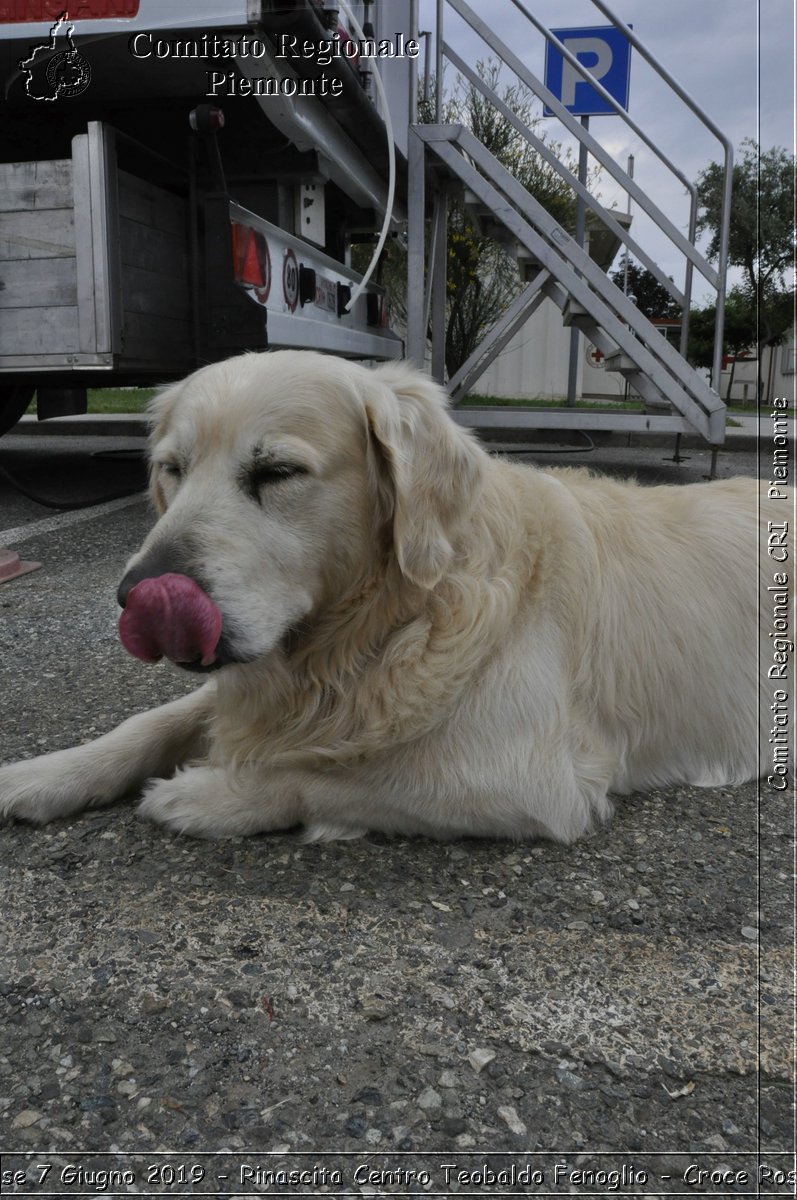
column 197, row 801
column 42, row 789
column 209, row 802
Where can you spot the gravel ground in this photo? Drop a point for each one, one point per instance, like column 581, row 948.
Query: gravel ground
column 387, row 998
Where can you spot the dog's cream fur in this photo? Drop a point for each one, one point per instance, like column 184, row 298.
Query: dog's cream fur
column 436, row 641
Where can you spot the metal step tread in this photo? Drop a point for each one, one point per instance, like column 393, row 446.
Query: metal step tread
column 499, row 189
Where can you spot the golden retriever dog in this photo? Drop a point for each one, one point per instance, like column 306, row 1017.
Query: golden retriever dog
column 402, row 633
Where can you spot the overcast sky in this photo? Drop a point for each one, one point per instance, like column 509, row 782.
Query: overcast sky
column 734, row 57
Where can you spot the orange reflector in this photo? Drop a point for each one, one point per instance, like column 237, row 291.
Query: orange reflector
column 251, row 259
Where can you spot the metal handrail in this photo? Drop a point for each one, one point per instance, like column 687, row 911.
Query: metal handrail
column 594, row 147
column 539, row 145
column 415, row 34
column 568, row 249
column 596, row 84
column 686, row 245
column 640, row 133
column 727, row 190
column 656, row 359
column 438, row 83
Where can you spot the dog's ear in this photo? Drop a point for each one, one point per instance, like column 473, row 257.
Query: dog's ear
column 430, row 468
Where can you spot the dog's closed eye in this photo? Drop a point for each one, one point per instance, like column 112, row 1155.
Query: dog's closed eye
column 267, row 474
column 173, row 469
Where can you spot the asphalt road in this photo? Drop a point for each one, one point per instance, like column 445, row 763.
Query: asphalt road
column 373, row 1006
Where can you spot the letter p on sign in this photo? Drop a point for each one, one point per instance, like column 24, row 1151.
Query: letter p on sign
column 605, row 53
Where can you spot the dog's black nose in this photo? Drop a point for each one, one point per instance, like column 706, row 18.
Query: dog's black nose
column 151, row 566
column 134, row 576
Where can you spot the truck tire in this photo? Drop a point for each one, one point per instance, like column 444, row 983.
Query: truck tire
column 13, row 402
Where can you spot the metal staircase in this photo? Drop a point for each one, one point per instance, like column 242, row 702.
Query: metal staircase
column 554, row 265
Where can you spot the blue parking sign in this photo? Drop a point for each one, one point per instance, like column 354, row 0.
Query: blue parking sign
column 604, row 51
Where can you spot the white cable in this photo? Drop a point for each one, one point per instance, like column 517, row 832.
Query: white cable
column 391, row 155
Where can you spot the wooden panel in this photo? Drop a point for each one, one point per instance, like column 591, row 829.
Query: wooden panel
column 49, row 233
column 39, row 331
column 152, row 249
column 149, row 336
column 36, row 185
column 38, row 282
column 145, row 291
column 152, row 206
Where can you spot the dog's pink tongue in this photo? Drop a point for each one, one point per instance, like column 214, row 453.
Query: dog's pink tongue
column 170, row 615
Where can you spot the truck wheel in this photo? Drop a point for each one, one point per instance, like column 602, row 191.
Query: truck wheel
column 13, row 402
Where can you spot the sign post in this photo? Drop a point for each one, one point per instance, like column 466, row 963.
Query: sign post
column 606, row 53
column 603, row 51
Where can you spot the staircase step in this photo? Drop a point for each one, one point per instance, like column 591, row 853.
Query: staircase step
column 498, row 232
column 574, row 312
column 678, row 397
column 475, row 205
column 623, row 365
column 575, row 315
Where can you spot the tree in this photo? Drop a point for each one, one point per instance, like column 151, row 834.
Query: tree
column 762, row 233
column 739, row 332
column 482, row 278
column 651, row 297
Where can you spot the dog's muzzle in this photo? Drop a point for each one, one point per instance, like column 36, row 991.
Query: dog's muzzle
column 169, row 616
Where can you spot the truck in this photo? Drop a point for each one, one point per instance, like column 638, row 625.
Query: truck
column 179, row 183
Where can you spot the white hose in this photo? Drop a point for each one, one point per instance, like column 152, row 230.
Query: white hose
column 391, row 155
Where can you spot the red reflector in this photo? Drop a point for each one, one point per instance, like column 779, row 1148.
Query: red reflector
column 251, row 258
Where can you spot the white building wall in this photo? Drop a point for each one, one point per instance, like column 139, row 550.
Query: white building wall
column 535, row 364
column 778, row 374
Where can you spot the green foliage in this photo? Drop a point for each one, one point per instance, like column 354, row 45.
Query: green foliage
column 474, row 400
column 119, row 400
column 651, row 297
column 762, row 232
column 762, row 235
column 482, row 278
column 739, row 333
column 112, row 400
column 470, row 108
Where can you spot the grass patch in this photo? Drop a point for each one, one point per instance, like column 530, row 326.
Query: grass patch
column 476, row 401
column 766, row 410
column 135, row 400
column 119, row 400
column 111, row 400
